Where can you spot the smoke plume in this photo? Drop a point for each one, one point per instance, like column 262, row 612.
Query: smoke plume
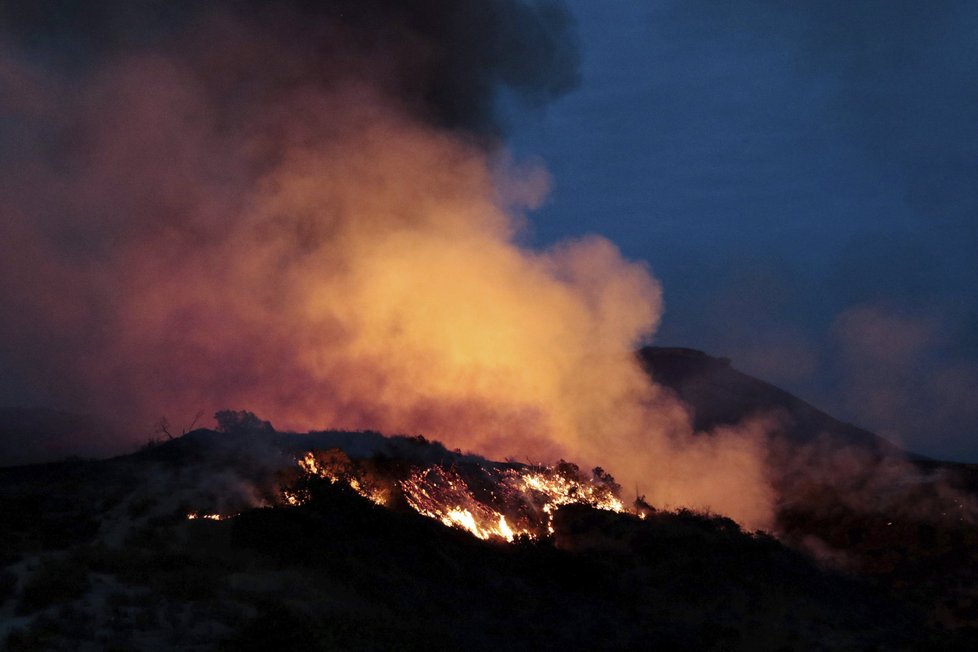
column 304, row 209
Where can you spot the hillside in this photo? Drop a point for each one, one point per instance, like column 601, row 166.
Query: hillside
column 253, row 539
column 101, row 555
column 847, row 496
column 720, row 395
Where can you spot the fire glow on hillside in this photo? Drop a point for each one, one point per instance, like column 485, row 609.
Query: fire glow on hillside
column 193, row 516
column 503, row 502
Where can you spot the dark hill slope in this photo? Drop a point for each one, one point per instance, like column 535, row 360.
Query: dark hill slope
column 852, row 498
column 718, row 395
column 100, row 555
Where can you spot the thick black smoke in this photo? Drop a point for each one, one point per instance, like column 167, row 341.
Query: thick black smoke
column 446, row 59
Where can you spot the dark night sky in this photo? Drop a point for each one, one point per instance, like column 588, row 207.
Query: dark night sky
column 802, row 179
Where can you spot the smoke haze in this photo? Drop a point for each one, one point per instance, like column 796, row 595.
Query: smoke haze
column 304, row 210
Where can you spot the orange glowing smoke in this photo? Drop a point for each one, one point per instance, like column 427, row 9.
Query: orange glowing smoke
column 374, row 282
column 371, row 277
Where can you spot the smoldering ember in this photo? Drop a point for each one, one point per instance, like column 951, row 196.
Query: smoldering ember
column 287, row 368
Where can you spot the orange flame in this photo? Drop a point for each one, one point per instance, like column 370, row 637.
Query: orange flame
column 209, row 517
column 512, row 502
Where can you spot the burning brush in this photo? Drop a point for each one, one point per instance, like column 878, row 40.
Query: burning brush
column 504, row 501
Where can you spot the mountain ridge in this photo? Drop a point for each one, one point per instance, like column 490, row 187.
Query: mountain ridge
column 718, row 394
column 714, row 391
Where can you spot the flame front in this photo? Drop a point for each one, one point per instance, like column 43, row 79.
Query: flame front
column 192, row 516
column 336, row 467
column 502, row 502
column 444, row 496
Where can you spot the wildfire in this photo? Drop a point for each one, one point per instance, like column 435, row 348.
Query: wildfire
column 444, row 496
column 335, row 466
column 192, row 516
column 503, row 502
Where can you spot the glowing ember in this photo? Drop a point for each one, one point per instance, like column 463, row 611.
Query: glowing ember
column 295, row 498
column 192, row 516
